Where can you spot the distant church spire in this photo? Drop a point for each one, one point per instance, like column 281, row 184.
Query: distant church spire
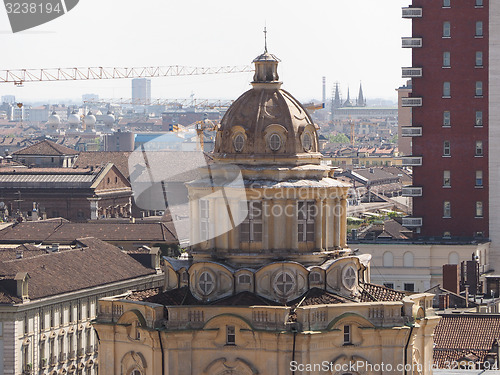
column 348, row 102
column 361, row 102
column 337, row 103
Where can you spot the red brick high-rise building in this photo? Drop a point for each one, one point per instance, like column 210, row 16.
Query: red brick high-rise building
column 451, row 118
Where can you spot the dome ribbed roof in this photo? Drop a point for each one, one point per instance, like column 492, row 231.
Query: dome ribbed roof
column 267, row 123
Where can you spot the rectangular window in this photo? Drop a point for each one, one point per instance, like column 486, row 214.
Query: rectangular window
column 446, row 59
column 479, row 58
column 479, row 209
column 61, row 316
column 446, row 29
column 409, row 287
column 446, row 4
column 306, row 216
column 479, row 3
column 479, row 148
column 42, row 354
column 204, row 220
column 479, row 28
column 479, row 178
column 251, row 227
column 446, row 89
column 446, row 148
column 446, row 209
column 42, row 319
column 230, row 335
column 479, row 118
column 446, row 178
column 347, row 335
column 479, row 88
column 446, row 118
column 26, row 324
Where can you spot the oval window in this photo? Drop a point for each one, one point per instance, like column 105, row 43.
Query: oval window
column 206, row 283
column 239, row 142
column 274, row 142
column 307, row 142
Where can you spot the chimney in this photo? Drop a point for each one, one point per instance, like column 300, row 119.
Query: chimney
column 451, row 280
column 466, row 295
column 21, row 279
column 155, row 258
column 19, row 253
column 444, row 301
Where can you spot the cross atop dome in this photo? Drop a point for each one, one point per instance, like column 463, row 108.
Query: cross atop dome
column 266, row 66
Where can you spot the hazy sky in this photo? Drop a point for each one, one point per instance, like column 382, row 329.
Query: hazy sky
column 346, row 41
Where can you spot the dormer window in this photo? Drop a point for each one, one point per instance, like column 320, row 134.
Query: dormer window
column 274, row 142
column 349, row 278
column 206, row 283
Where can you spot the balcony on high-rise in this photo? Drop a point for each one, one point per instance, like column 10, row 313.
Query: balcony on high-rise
column 411, row 161
column 409, row 42
column 411, row 131
column 411, row 102
column 407, row 72
column 410, row 12
column 412, row 222
column 412, row 191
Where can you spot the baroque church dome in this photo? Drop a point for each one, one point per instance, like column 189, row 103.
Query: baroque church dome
column 267, row 124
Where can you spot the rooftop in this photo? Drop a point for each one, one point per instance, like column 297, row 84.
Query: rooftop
column 90, row 263
column 46, row 148
column 49, row 231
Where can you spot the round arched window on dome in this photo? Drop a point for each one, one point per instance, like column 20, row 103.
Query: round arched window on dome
column 284, row 283
column 349, row 277
column 274, row 142
column 307, row 142
column 239, row 142
column 206, row 283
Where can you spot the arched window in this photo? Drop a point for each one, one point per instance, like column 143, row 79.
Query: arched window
column 388, row 259
column 453, row 258
column 244, row 279
column 408, row 259
column 307, row 141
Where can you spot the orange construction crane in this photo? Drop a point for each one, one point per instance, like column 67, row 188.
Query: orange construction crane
column 20, row 76
column 205, row 125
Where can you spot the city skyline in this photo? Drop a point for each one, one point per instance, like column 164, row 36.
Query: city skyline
column 343, row 42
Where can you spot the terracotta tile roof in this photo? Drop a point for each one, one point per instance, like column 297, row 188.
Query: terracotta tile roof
column 375, row 293
column 94, row 263
column 174, row 297
column 317, row 296
column 46, row 147
column 457, row 335
column 27, row 250
column 101, row 158
column 66, row 232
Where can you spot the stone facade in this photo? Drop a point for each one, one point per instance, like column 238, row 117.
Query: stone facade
column 269, row 285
